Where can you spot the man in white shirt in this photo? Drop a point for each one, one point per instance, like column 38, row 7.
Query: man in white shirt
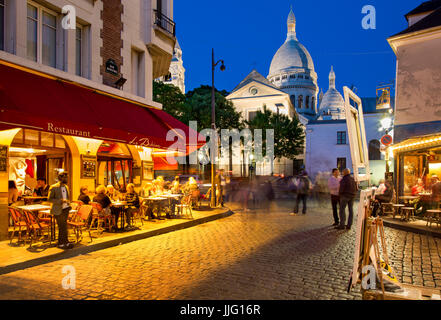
column 334, row 187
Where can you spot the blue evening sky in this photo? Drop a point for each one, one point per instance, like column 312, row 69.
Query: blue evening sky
column 247, row 34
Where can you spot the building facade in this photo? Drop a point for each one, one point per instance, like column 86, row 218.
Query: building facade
column 417, row 134
column 76, row 92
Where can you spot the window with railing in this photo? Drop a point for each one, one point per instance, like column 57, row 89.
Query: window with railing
column 164, row 22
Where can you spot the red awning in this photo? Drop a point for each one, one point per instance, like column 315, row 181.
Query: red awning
column 161, row 163
column 41, row 102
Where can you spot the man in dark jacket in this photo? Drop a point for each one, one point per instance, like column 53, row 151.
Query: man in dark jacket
column 386, row 197
column 347, row 192
column 303, row 187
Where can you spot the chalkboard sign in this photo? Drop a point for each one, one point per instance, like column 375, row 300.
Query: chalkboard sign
column 3, row 158
column 112, row 67
column 88, row 167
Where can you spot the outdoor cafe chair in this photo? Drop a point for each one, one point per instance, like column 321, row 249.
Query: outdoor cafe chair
column 36, row 227
column 433, row 216
column 100, row 218
column 196, row 198
column 79, row 222
column 184, row 208
column 18, row 221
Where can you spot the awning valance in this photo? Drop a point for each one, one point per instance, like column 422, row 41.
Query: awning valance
column 41, row 102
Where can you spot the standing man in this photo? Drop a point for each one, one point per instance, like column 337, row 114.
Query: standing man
column 334, row 187
column 348, row 191
column 59, row 196
column 304, row 186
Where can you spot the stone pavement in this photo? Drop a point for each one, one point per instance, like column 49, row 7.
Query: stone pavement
column 265, row 254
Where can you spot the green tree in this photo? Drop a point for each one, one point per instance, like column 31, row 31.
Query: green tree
column 289, row 136
column 172, row 99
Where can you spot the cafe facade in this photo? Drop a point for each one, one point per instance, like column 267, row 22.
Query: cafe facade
column 78, row 96
column 417, row 129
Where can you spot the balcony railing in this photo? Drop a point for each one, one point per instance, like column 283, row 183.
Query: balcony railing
column 165, row 22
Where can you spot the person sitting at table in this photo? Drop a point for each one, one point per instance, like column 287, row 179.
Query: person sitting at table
column 158, row 187
column 12, row 193
column 112, row 193
column 436, row 189
column 191, row 185
column 176, row 187
column 132, row 200
column 385, row 197
column 102, row 198
column 381, row 187
column 84, row 195
column 147, row 190
column 42, row 189
column 418, row 188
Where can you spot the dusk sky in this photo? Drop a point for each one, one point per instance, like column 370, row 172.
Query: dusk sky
column 247, row 34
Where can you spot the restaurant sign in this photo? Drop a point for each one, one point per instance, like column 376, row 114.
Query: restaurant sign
column 112, row 67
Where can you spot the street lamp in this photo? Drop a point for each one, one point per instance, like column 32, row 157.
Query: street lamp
column 213, row 124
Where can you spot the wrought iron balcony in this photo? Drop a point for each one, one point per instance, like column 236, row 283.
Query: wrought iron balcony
column 165, row 23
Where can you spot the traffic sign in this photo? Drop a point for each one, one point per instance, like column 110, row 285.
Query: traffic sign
column 387, row 140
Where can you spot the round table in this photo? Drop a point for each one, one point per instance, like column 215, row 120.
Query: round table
column 156, row 201
column 176, row 196
column 119, row 206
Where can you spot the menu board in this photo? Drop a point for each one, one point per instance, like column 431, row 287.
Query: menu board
column 88, row 167
column 3, row 158
column 147, row 170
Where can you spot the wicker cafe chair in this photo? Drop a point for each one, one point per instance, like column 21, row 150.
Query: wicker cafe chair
column 18, row 221
column 36, row 227
column 184, row 208
column 79, row 222
column 196, row 198
column 100, row 218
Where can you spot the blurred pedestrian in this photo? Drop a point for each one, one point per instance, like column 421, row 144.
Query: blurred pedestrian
column 347, row 192
column 303, row 187
column 334, row 187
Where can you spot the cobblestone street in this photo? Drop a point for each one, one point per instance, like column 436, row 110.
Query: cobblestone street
column 263, row 254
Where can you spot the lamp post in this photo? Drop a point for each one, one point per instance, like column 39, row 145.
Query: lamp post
column 213, row 125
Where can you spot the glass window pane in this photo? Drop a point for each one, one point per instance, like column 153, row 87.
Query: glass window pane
column 2, row 25
column 31, row 137
column 32, row 12
column 78, row 53
column 32, row 33
column 49, row 20
column 59, row 142
column 49, row 48
column 47, row 139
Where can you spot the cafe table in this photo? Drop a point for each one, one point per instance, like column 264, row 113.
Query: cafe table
column 52, row 220
column 29, row 199
column 406, row 200
column 156, row 201
column 119, row 207
column 170, row 197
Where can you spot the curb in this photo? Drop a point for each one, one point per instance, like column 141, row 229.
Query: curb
column 412, row 229
column 111, row 243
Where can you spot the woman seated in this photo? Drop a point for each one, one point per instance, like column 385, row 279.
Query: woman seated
column 132, row 200
column 418, row 188
column 147, row 191
column 385, row 197
column 84, row 195
column 112, row 193
column 175, row 186
column 103, row 199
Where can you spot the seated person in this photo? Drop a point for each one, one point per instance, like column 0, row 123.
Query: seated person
column 147, row 190
column 381, row 187
column 103, row 199
column 42, row 189
column 176, row 187
column 418, row 188
column 132, row 200
column 436, row 189
column 84, row 195
column 386, row 197
column 158, row 187
column 12, row 193
column 112, row 193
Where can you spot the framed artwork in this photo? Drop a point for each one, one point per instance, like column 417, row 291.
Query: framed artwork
column 88, row 167
column 3, row 158
column 357, row 136
column 147, row 170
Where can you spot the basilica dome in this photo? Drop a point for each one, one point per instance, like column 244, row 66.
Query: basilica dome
column 332, row 105
column 292, row 54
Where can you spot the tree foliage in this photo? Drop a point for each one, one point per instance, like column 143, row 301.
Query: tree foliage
column 289, row 135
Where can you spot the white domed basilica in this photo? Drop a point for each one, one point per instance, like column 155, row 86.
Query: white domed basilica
column 292, row 70
column 332, row 105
